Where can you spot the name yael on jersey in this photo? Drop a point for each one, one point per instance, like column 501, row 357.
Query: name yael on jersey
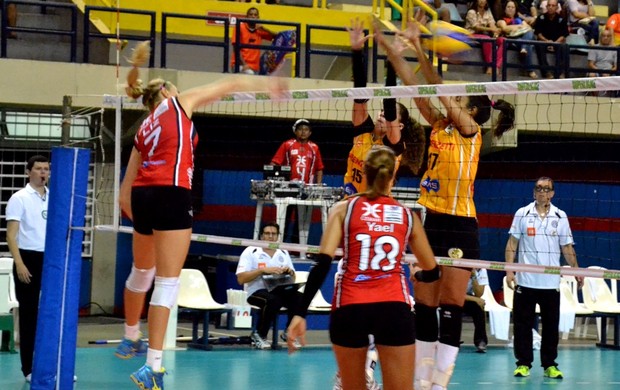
column 381, row 217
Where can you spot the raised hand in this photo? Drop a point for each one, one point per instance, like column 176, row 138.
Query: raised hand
column 356, row 34
column 412, row 32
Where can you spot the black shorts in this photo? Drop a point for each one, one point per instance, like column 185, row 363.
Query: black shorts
column 445, row 231
column 391, row 324
column 161, row 208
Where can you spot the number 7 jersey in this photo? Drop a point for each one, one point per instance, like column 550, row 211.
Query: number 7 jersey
column 375, row 236
column 166, row 141
column 447, row 186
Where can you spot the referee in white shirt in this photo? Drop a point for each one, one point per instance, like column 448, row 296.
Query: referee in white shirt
column 541, row 233
column 26, row 215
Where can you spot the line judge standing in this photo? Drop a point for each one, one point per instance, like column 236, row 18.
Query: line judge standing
column 26, row 215
column 541, row 232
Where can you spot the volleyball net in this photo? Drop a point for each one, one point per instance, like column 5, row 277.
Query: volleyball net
column 565, row 129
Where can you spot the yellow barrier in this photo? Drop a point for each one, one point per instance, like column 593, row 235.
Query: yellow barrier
column 281, row 13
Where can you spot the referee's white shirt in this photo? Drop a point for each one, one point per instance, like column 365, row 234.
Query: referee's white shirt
column 29, row 208
column 540, row 242
column 254, row 258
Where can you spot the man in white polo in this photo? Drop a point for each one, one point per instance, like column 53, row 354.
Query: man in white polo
column 542, row 233
column 26, row 215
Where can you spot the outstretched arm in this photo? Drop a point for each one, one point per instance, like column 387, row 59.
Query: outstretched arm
column 407, row 75
column 206, row 94
column 461, row 118
column 358, row 39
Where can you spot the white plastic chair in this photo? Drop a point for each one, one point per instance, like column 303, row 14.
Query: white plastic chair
column 8, row 300
column 499, row 316
column 602, row 299
column 569, row 302
column 571, row 299
column 598, row 297
column 318, row 303
column 194, row 295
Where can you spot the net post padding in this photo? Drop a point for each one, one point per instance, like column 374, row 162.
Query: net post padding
column 56, row 338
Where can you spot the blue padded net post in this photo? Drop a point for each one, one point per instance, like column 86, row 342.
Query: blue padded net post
column 56, row 340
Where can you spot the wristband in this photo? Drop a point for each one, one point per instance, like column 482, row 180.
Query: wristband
column 428, row 276
column 359, row 70
column 389, row 105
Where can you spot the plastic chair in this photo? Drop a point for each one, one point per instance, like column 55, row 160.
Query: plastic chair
column 569, row 301
column 195, row 296
column 601, row 299
column 499, row 316
column 579, row 307
column 8, row 302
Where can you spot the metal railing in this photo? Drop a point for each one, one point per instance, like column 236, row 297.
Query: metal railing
column 71, row 32
column 311, row 50
column 88, row 34
column 167, row 40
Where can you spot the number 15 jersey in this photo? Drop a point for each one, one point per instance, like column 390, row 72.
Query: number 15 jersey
column 166, row 141
column 375, row 236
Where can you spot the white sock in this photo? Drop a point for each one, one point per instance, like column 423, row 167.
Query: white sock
column 444, row 365
column 132, row 332
column 153, row 359
column 424, row 362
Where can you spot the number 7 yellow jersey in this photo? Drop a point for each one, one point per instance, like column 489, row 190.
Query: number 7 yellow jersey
column 447, row 186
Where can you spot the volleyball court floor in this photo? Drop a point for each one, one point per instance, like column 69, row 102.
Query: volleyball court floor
column 241, row 368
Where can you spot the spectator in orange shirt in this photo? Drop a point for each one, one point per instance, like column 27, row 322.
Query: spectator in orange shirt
column 251, row 33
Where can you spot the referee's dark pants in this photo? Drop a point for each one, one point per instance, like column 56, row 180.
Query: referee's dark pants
column 524, row 314
column 270, row 304
column 28, row 297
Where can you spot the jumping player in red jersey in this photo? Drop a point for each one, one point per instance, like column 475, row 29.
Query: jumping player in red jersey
column 372, row 293
column 447, row 193
column 155, row 194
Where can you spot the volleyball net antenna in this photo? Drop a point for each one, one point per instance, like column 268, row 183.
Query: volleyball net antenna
column 566, row 129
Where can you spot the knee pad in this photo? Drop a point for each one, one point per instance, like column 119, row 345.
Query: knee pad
column 424, row 364
column 450, row 324
column 165, row 292
column 427, row 328
column 140, row 280
column 444, row 365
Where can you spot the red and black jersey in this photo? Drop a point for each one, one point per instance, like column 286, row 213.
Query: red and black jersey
column 375, row 237
column 303, row 158
column 166, row 141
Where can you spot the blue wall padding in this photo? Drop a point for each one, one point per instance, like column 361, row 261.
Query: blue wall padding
column 588, row 205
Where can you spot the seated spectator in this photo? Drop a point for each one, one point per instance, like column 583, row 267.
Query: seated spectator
column 250, row 33
column 256, row 262
column 613, row 23
column 581, row 15
column 603, row 59
column 543, row 7
column 479, row 20
column 474, row 307
column 515, row 28
column 526, row 10
column 550, row 27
